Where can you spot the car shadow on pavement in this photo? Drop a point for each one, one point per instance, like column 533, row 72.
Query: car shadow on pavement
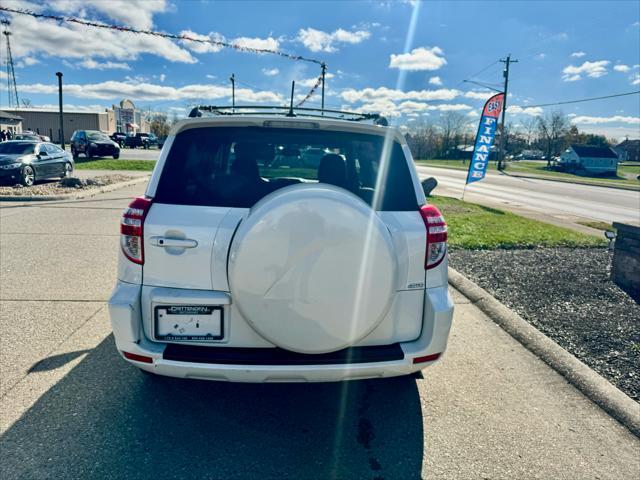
column 105, row 419
column 55, row 361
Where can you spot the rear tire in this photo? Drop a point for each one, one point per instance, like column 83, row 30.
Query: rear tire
column 28, row 177
column 88, row 154
column 74, row 154
column 116, row 156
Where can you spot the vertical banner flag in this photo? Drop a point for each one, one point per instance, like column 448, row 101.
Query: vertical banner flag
column 484, row 138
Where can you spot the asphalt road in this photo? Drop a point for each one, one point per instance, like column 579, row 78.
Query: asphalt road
column 543, row 196
column 136, row 153
column 71, row 408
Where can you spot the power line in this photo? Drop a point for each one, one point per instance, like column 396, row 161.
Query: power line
column 583, row 100
column 181, row 37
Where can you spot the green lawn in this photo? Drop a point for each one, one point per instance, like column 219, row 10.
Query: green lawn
column 473, row 226
column 120, row 164
column 538, row 168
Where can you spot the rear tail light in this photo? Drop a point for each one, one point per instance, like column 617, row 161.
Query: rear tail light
column 436, row 236
column 131, row 227
column 427, row 358
column 137, row 358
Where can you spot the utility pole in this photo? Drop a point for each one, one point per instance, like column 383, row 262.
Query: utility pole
column 233, row 92
column 12, row 88
column 503, row 139
column 59, row 75
column 324, row 71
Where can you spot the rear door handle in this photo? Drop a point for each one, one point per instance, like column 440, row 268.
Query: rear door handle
column 169, row 242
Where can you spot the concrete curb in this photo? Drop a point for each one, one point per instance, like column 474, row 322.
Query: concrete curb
column 74, row 196
column 591, row 384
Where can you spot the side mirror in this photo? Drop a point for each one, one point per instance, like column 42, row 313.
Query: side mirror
column 428, row 185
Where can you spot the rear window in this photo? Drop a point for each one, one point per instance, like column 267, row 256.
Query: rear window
column 236, row 167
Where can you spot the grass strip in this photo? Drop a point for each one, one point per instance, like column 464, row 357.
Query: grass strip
column 477, row 227
column 120, row 164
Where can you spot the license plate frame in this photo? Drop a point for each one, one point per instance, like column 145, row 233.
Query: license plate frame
column 197, row 312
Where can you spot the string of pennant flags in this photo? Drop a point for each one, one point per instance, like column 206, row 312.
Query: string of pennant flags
column 175, row 36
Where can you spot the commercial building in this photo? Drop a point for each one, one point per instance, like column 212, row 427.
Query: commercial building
column 122, row 118
column 10, row 122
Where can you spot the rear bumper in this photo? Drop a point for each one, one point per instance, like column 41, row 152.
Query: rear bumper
column 124, row 309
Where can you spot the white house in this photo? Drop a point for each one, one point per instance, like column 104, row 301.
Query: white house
column 589, row 158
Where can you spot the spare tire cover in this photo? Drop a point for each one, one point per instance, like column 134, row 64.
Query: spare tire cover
column 312, row 268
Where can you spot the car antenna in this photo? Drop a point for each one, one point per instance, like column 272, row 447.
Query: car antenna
column 293, row 87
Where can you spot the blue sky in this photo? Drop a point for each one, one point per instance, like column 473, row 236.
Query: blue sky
column 376, row 60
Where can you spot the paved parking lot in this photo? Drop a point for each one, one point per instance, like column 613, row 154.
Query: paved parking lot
column 70, row 408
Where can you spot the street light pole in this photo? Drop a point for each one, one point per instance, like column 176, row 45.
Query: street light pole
column 59, row 75
column 233, row 92
column 324, row 71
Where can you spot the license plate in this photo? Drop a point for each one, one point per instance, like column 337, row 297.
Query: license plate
column 189, row 323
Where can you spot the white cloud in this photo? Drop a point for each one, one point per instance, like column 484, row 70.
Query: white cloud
column 621, row 68
column 597, row 69
column 134, row 13
column 447, row 107
column 27, row 62
column 147, row 91
column 310, row 82
column 68, row 107
column 270, row 72
column 268, row 43
column 587, row 120
column 419, row 59
column 210, row 77
column 94, row 65
column 578, row 54
column 372, row 94
column 479, row 95
column 408, row 108
column 319, row 41
column 435, row 81
column 33, row 36
column 533, row 111
column 473, row 114
column 541, row 56
column 635, row 79
column 162, row 77
column 202, row 45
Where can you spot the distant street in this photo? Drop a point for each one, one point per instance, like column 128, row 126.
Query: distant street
column 598, row 203
column 136, row 153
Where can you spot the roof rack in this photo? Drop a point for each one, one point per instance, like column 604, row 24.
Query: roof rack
column 199, row 110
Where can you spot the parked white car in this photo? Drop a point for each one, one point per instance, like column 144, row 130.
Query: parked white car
column 233, row 269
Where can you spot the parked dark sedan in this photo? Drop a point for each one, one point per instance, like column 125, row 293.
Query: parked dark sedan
column 27, row 161
column 93, row 143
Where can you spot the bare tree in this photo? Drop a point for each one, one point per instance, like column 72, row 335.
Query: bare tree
column 552, row 127
column 452, row 124
column 529, row 127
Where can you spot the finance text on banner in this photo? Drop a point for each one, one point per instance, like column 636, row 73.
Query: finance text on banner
column 485, row 137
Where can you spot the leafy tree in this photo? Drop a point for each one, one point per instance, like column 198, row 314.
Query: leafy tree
column 159, row 125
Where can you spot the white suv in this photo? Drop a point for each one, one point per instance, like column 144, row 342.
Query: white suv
column 243, row 262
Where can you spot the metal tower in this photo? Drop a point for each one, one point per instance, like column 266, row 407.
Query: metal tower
column 12, row 87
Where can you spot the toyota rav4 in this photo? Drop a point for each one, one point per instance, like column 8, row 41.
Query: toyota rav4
column 243, row 263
